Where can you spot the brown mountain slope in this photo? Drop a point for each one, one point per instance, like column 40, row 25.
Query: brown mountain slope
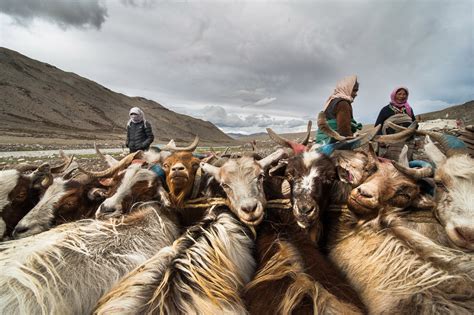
column 465, row 112
column 42, row 101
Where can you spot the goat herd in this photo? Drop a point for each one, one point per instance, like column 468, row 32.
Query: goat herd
column 307, row 229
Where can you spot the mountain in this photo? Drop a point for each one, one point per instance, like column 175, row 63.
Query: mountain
column 465, row 112
column 41, row 101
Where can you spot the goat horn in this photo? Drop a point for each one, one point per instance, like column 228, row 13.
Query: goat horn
column 25, row 167
column 351, row 144
column 62, row 167
column 399, row 136
column 324, row 127
column 122, row 164
column 97, row 151
column 415, row 173
column 372, row 157
column 450, row 144
column 395, row 126
column 308, row 133
column 297, row 147
column 173, row 147
column 278, row 139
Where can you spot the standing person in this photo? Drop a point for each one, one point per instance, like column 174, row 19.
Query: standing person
column 338, row 110
column 398, row 105
column 399, row 112
column 139, row 133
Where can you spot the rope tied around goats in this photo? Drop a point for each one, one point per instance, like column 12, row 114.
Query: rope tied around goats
column 205, row 202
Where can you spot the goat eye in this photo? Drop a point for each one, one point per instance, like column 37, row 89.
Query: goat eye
column 20, row 196
column 441, row 186
column 225, row 186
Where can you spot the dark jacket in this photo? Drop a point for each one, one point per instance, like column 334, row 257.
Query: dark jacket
column 341, row 110
column 386, row 112
column 139, row 136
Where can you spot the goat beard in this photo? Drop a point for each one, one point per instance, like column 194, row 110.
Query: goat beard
column 177, row 197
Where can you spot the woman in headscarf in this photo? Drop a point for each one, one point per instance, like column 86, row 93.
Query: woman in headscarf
column 399, row 112
column 398, row 105
column 338, row 110
column 139, row 133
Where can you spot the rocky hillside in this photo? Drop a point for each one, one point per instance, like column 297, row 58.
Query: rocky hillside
column 39, row 100
column 465, row 112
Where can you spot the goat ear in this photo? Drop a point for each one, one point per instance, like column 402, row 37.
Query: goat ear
column 106, row 181
column 42, row 178
column 211, row 170
column 275, row 156
column 424, row 202
column 96, row 194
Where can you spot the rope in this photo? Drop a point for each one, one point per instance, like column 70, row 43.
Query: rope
column 420, row 217
column 205, row 202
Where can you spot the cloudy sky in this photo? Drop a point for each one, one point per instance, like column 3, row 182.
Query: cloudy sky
column 247, row 65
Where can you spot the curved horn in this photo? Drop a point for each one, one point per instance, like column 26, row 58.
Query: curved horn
column 225, row 151
column 450, row 144
column 403, row 157
column 297, row 147
column 278, row 139
column 172, row 146
column 308, row 133
column 62, row 167
column 415, row 173
column 399, row 136
column 124, row 163
column 253, row 143
column 324, row 127
column 25, row 167
column 372, row 157
column 97, row 151
column 351, row 144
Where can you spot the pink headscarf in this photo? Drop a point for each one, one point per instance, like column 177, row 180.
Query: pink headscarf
column 402, row 105
column 343, row 90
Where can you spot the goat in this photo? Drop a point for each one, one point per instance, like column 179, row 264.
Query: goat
column 312, row 173
column 454, row 193
column 67, row 269
column 205, row 270
column 293, row 276
column 70, row 199
column 19, row 192
column 137, row 185
column 385, row 270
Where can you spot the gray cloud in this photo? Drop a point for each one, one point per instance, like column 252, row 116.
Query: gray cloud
column 233, row 122
column 276, row 59
column 84, row 13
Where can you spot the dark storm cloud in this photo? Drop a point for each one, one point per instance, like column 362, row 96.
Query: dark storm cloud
column 84, row 13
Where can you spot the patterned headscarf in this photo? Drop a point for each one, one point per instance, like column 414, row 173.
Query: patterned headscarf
column 139, row 117
column 400, row 106
column 343, row 90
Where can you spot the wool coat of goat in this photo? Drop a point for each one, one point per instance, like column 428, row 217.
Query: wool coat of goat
column 67, row 269
column 203, row 272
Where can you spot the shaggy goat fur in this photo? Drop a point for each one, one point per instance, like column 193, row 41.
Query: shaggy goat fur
column 203, row 272
column 390, row 277
column 67, row 269
column 293, row 276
